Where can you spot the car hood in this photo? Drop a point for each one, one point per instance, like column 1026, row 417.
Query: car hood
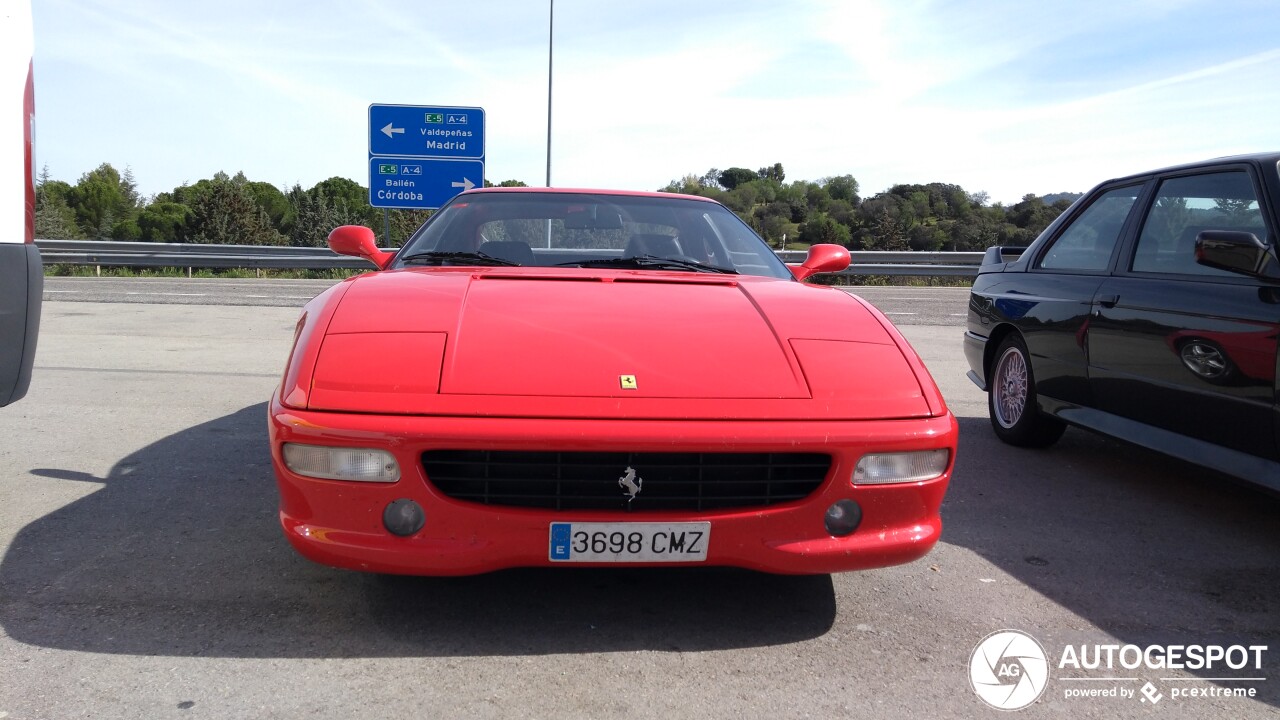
column 607, row 343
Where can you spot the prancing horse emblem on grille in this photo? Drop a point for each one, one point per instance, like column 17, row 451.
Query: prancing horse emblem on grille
column 631, row 483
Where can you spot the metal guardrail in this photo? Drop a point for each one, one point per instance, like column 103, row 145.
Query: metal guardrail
column 111, row 253
column 909, row 262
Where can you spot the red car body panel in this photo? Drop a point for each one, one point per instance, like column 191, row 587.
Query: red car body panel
column 491, row 365
column 530, row 358
column 1250, row 351
column 340, row 523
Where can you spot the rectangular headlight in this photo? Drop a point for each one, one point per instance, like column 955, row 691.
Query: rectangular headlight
column 882, row 468
column 335, row 463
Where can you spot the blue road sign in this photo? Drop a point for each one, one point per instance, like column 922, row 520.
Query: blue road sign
column 422, row 155
column 426, row 131
column 420, row 183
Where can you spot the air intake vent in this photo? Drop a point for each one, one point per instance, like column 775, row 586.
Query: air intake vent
column 590, row 481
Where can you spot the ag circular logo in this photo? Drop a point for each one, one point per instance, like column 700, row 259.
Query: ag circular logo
column 1009, row 670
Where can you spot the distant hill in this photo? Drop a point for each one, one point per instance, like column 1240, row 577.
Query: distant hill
column 1055, row 197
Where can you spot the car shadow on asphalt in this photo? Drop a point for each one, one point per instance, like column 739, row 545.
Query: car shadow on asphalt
column 179, row 553
column 1146, row 548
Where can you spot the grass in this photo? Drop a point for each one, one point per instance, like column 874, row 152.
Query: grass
column 893, row 280
column 59, row 270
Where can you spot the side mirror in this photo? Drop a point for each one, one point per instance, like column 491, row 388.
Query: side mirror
column 359, row 241
column 1236, row 251
column 822, row 258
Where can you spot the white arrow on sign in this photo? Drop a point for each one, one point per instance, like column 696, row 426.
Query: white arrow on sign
column 465, row 184
column 388, row 130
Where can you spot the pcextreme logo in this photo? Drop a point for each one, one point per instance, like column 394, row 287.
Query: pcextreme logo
column 1009, row 670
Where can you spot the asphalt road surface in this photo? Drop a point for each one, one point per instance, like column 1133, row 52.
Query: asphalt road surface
column 142, row 573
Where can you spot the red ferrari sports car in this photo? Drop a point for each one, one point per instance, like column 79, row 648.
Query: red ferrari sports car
column 575, row 377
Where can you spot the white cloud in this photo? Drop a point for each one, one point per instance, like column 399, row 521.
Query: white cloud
column 1006, row 97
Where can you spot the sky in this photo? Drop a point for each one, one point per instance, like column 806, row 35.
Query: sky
column 1002, row 97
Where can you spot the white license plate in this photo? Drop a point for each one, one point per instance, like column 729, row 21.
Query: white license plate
column 629, row 542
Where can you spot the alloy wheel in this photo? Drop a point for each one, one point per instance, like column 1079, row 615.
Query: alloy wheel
column 1010, row 387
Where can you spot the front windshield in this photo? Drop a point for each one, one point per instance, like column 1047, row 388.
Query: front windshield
column 590, row 230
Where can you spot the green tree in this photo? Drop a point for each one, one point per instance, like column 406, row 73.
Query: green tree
column 405, row 222
column 164, row 222
column 313, row 217
column 55, row 220
column 129, row 188
column 1031, row 214
column 743, row 198
column 841, row 187
column 888, row 233
column 793, row 196
column 186, row 194
column 126, row 229
column 928, row 237
column 102, row 199
column 773, row 172
column 774, row 228
column 773, row 220
column 816, row 197
column 276, row 205
column 822, row 229
column 843, row 212
column 735, row 176
column 687, row 185
column 978, row 231
column 227, row 213
column 349, row 201
column 328, row 204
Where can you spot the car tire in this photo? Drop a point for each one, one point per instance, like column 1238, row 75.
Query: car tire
column 1011, row 399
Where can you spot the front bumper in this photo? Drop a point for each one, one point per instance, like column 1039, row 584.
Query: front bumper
column 339, row 523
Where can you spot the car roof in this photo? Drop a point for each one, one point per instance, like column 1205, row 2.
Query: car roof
column 586, row 191
column 1261, row 158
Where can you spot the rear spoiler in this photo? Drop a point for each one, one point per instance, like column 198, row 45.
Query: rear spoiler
column 1001, row 254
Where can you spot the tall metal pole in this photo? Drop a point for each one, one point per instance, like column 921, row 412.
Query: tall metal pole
column 551, row 23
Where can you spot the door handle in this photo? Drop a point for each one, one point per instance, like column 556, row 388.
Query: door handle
column 1108, row 301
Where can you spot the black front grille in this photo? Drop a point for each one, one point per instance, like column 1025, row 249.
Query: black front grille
column 590, row 480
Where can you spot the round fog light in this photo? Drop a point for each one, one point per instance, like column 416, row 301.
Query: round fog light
column 843, row 517
column 404, row 517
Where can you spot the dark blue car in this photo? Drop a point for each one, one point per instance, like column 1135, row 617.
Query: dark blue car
column 1149, row 311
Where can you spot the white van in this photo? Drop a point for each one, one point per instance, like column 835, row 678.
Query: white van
column 21, row 275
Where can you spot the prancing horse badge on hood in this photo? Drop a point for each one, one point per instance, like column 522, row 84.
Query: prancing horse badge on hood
column 631, row 483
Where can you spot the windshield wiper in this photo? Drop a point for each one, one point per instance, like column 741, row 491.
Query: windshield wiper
column 440, row 257
column 650, row 262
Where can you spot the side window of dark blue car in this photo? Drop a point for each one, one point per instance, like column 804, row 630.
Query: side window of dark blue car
column 1186, row 206
column 1087, row 243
